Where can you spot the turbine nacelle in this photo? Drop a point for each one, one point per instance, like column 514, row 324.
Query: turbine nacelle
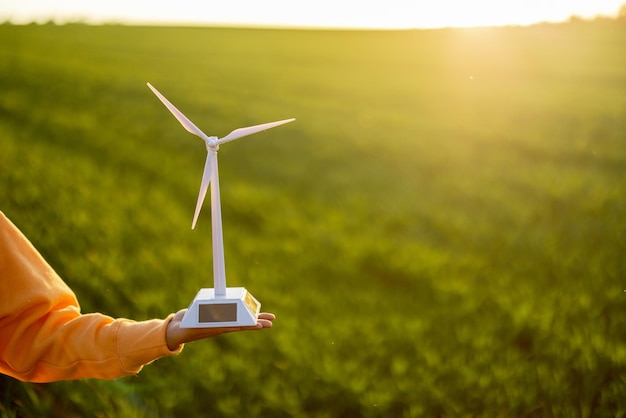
column 211, row 143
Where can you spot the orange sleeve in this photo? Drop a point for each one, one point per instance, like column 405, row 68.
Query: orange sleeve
column 43, row 335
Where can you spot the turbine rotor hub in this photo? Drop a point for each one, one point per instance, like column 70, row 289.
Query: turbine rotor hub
column 212, row 143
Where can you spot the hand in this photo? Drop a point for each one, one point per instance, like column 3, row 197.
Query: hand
column 175, row 335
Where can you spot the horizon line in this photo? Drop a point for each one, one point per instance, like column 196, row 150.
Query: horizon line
column 241, row 25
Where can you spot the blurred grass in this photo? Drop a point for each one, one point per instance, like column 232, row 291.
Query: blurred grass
column 441, row 231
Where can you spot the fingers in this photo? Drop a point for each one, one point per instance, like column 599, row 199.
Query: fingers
column 264, row 323
column 265, row 320
column 177, row 335
column 266, row 315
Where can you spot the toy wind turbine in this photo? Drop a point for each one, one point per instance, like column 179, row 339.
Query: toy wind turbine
column 220, row 306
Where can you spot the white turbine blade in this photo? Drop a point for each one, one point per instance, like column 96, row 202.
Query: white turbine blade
column 206, row 179
column 241, row 132
column 187, row 124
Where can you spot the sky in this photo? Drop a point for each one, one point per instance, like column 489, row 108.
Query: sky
column 391, row 14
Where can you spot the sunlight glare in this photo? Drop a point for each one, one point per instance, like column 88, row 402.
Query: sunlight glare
column 390, row 14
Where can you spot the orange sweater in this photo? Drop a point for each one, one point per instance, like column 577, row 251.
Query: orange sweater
column 43, row 335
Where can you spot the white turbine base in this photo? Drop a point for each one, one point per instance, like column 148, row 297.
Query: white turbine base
column 238, row 308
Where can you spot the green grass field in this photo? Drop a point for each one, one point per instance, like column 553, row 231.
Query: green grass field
column 440, row 233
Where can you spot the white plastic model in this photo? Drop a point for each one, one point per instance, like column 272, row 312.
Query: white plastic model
column 220, row 306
